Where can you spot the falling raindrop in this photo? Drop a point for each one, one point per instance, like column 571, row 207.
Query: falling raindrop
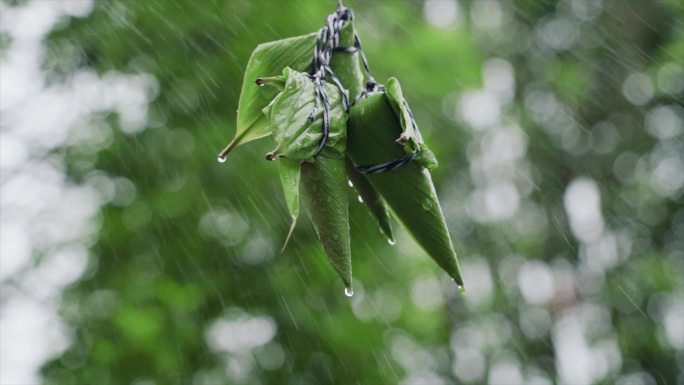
column 348, row 291
column 392, row 242
column 222, row 158
column 360, row 199
column 350, row 183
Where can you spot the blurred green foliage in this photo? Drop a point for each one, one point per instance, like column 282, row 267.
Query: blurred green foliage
column 200, row 240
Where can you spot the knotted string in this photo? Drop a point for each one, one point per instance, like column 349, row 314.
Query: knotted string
column 328, row 43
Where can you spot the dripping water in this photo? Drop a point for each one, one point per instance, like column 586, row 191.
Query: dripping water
column 348, row 291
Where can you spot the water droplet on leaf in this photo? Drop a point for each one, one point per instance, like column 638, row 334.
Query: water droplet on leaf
column 392, row 242
column 427, row 204
column 348, row 291
column 360, row 199
column 350, row 183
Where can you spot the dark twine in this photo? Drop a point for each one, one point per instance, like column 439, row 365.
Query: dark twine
column 387, row 166
column 327, row 42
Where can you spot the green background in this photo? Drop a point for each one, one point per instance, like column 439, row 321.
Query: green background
column 197, row 251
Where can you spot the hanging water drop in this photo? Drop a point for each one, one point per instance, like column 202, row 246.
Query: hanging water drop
column 392, row 242
column 222, row 158
column 348, row 291
column 461, row 288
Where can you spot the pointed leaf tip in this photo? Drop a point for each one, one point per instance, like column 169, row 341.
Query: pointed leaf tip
column 275, row 81
column 289, row 177
column 289, row 233
column 324, row 192
column 371, row 197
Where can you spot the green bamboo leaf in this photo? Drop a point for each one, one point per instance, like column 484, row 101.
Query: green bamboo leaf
column 372, row 199
column 410, row 132
column 267, row 59
column 289, row 177
column 323, row 181
column 296, row 135
column 373, row 127
column 347, row 68
column 396, row 98
column 346, row 65
column 323, row 191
